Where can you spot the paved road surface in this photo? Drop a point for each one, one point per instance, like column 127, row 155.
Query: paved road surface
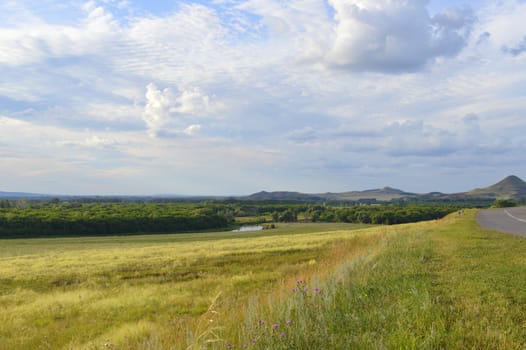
column 512, row 220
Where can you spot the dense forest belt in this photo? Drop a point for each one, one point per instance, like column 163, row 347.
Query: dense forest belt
column 108, row 219
column 382, row 214
column 46, row 219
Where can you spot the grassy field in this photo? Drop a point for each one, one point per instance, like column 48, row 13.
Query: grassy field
column 434, row 285
column 132, row 292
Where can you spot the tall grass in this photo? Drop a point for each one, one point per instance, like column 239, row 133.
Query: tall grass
column 445, row 285
column 143, row 292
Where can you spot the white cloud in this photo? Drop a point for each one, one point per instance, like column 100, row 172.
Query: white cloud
column 157, row 110
column 192, row 129
column 164, row 110
column 504, row 20
column 38, row 40
column 394, row 36
column 93, row 141
column 192, row 102
column 280, row 83
column 36, row 139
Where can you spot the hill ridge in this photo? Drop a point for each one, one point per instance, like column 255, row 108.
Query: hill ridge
column 511, row 187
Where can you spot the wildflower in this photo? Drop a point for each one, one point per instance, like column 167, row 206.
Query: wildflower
column 261, row 322
column 289, row 322
column 305, row 289
column 229, row 346
column 282, row 335
column 299, row 282
column 254, row 341
column 294, row 290
column 317, row 290
column 275, row 326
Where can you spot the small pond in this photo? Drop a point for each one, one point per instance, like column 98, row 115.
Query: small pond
column 249, row 228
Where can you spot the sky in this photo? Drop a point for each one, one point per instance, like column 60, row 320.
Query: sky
column 230, row 97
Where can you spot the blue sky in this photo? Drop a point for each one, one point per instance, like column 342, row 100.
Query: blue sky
column 230, row 97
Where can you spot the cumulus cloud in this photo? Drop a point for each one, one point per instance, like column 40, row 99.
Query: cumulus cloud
column 403, row 139
column 416, row 138
column 166, row 110
column 38, row 40
column 394, row 36
column 157, row 110
column 516, row 50
column 290, row 76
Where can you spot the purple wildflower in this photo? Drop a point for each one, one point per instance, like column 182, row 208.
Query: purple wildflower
column 261, row 322
column 254, row 341
column 305, row 289
column 282, row 335
column 317, row 290
column 289, row 322
column 275, row 326
column 300, row 282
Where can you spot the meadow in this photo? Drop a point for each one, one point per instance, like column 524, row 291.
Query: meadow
column 86, row 292
column 431, row 285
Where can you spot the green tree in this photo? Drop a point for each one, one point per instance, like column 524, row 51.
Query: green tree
column 504, row 203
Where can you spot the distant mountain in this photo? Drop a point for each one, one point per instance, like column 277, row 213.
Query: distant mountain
column 383, row 194
column 380, row 194
column 284, row 195
column 512, row 187
column 22, row 195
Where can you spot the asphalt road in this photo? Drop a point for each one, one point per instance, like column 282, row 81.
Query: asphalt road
column 511, row 220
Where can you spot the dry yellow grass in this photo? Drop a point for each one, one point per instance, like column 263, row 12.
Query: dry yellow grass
column 119, row 293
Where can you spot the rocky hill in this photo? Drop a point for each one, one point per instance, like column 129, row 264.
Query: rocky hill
column 512, row 187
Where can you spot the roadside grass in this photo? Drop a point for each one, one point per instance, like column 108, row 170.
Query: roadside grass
column 145, row 292
column 438, row 285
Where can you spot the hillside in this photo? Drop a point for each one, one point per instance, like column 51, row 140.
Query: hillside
column 13, row 195
column 381, row 194
column 512, row 187
column 284, row 195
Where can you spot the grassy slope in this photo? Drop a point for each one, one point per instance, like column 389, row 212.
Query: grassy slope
column 141, row 291
column 449, row 285
column 445, row 284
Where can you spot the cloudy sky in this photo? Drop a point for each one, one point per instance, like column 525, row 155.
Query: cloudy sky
column 230, row 97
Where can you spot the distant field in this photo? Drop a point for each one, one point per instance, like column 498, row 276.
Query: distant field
column 445, row 284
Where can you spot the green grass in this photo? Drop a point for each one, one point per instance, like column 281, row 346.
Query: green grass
column 445, row 284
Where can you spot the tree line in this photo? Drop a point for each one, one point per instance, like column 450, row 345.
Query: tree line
column 108, row 218
column 53, row 217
